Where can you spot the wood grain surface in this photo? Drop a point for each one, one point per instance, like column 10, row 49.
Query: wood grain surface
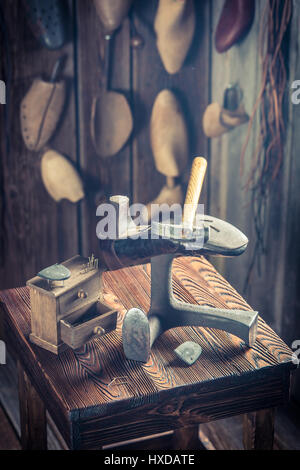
column 90, row 410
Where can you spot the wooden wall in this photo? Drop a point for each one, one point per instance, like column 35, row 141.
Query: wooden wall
column 228, row 199
column 37, row 231
column 274, row 291
column 139, row 74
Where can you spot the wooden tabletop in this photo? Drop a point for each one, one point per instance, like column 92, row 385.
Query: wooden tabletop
column 95, row 395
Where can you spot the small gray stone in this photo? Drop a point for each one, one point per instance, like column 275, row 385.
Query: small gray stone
column 189, row 352
column 136, row 335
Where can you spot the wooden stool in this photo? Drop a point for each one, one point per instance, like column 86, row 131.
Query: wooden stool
column 96, row 397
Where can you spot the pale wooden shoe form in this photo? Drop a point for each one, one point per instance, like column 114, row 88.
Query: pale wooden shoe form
column 111, row 123
column 217, row 120
column 168, row 196
column 40, row 111
column 174, row 26
column 60, row 177
column 111, row 13
column 168, row 134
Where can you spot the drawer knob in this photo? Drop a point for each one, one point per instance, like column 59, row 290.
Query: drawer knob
column 99, row 331
column 81, row 294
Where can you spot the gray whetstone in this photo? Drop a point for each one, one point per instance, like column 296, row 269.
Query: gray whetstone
column 56, row 272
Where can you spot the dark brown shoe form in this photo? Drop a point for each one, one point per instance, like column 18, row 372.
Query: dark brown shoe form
column 235, row 22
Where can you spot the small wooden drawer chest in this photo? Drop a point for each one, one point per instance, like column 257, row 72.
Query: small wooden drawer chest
column 70, row 314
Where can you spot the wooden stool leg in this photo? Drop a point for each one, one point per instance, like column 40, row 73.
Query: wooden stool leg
column 259, row 430
column 186, row 438
column 32, row 415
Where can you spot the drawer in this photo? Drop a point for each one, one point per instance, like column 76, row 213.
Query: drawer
column 91, row 321
column 79, row 296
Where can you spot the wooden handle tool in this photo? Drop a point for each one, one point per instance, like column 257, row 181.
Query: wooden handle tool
column 193, row 191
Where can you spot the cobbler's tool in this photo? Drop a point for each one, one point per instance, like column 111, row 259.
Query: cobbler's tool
column 169, row 143
column 111, row 117
column 219, row 238
column 60, row 177
column 71, row 314
column 48, row 20
column 234, row 23
column 41, row 109
column 74, row 313
column 219, row 119
column 174, row 26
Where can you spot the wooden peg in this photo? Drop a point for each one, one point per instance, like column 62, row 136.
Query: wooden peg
column 193, row 191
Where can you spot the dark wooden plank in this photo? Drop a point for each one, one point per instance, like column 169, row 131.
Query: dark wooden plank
column 10, row 401
column 103, row 176
column 32, row 415
column 8, row 438
column 37, row 231
column 80, row 380
column 259, row 430
column 190, row 84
